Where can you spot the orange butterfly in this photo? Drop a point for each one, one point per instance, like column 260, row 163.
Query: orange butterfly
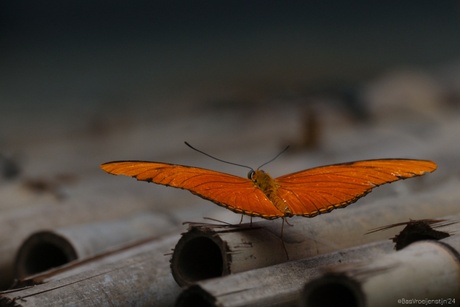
column 307, row 193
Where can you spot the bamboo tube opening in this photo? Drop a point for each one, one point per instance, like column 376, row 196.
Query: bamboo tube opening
column 333, row 290
column 197, row 257
column 42, row 251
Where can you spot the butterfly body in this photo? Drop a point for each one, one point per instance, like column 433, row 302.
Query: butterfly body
column 305, row 193
column 270, row 188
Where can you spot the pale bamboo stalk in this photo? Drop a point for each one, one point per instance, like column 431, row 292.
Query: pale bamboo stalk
column 217, row 250
column 16, row 226
column 138, row 276
column 277, row 285
column 50, row 248
column 85, row 206
column 425, row 270
column 282, row 284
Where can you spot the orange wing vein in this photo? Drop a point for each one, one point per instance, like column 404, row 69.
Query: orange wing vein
column 238, row 194
column 322, row 189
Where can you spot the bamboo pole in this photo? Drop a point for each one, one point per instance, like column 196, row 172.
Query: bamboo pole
column 282, row 284
column 137, row 276
column 207, row 250
column 83, row 206
column 277, row 285
column 424, row 273
column 17, row 225
column 50, row 248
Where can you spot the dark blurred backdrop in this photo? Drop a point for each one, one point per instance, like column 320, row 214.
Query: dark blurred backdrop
column 79, row 58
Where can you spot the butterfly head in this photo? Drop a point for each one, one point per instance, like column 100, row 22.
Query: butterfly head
column 259, row 177
column 251, row 174
column 263, row 181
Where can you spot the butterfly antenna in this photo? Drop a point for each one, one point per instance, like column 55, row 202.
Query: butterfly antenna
column 273, row 159
column 206, row 154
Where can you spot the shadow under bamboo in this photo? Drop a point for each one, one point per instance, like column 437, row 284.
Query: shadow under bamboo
column 208, row 250
column 425, row 271
column 282, row 284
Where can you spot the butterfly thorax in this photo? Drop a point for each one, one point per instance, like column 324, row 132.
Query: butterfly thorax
column 269, row 186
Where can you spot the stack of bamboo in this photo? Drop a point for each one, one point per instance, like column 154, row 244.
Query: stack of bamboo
column 252, row 264
column 108, row 241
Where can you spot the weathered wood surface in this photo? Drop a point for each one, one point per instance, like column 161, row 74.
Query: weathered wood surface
column 406, row 115
column 17, row 225
column 137, row 276
column 424, row 273
column 241, row 247
column 277, row 285
column 282, row 284
column 41, row 249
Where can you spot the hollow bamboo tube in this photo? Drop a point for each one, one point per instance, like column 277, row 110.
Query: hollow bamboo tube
column 137, row 276
column 277, row 285
column 50, row 248
column 237, row 248
column 17, row 225
column 282, row 284
column 424, row 273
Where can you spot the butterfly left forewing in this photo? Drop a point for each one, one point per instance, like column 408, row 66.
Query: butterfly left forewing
column 232, row 192
column 322, row 189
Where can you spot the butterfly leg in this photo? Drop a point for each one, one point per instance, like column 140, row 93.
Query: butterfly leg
column 241, row 221
column 284, row 219
column 282, row 227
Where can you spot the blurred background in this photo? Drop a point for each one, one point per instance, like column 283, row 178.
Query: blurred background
column 69, row 67
column 85, row 82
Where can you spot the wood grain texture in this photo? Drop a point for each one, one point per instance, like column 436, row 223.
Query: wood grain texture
column 425, row 270
column 84, row 240
column 136, row 276
column 282, row 284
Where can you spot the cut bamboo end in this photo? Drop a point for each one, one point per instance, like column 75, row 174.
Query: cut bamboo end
column 138, row 275
column 208, row 251
column 199, row 254
column 42, row 251
column 48, row 249
column 282, row 284
column 346, row 292
column 425, row 270
column 277, row 285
